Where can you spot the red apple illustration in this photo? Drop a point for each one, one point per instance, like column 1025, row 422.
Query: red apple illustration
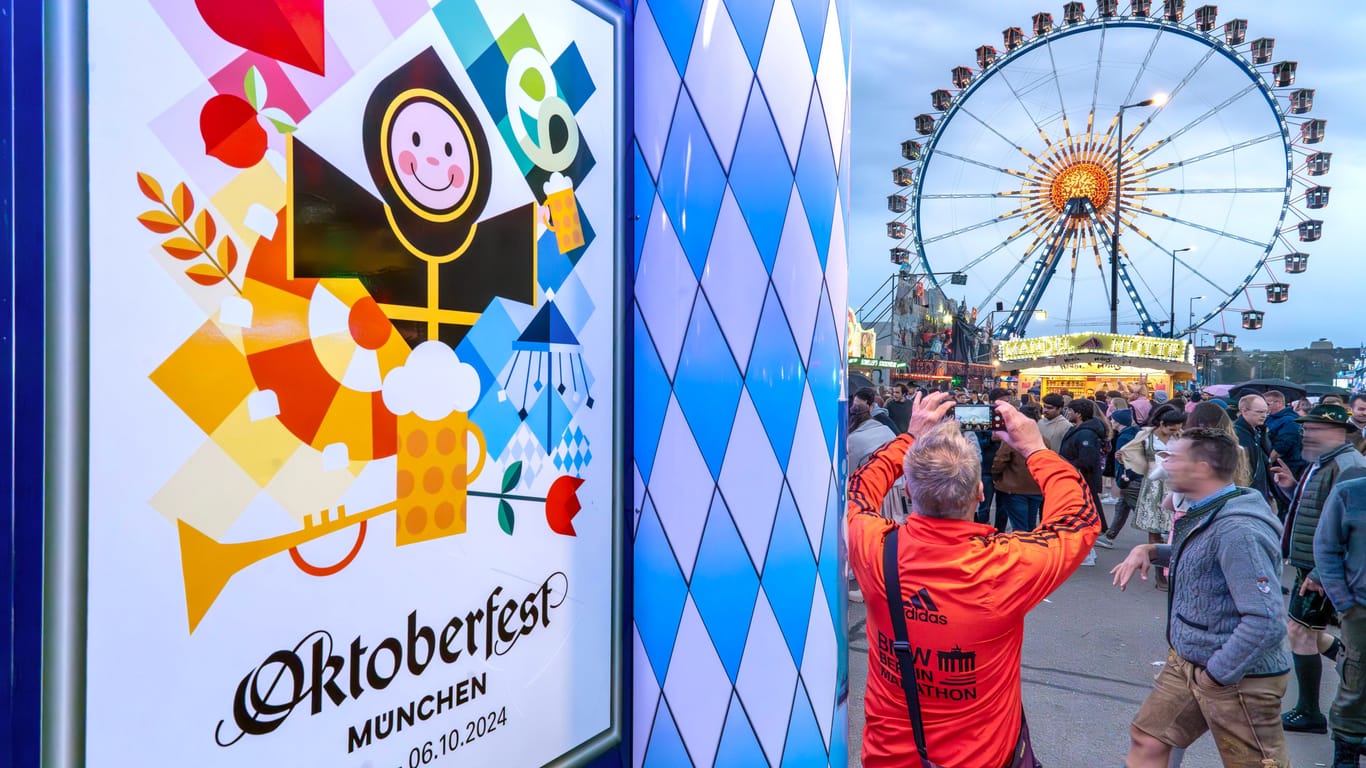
column 231, row 131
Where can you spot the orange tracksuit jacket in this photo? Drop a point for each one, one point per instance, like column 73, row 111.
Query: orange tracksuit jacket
column 966, row 590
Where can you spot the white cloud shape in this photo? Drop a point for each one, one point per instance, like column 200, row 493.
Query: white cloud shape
column 433, row 383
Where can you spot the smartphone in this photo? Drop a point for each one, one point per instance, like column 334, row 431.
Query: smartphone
column 978, row 418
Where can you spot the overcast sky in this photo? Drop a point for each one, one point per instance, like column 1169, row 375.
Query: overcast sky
column 905, row 50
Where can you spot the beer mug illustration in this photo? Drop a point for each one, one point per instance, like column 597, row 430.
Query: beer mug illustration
column 563, row 217
column 434, row 475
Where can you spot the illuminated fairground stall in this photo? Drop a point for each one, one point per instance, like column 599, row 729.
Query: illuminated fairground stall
column 1085, row 362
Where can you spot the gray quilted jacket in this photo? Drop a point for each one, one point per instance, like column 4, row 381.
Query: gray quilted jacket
column 1224, row 609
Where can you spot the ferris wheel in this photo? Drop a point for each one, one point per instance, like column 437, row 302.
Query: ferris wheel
column 1016, row 187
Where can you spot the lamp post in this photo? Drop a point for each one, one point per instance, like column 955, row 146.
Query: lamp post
column 1190, row 306
column 1171, row 327
column 1157, row 100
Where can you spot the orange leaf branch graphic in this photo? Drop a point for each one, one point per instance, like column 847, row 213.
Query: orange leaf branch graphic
column 198, row 238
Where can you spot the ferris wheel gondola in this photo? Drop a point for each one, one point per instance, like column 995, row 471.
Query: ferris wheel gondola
column 1025, row 170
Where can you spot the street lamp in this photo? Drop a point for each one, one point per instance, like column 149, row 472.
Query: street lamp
column 1190, row 305
column 1171, row 328
column 1155, row 101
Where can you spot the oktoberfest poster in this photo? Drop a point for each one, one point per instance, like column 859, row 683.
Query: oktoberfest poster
column 354, row 359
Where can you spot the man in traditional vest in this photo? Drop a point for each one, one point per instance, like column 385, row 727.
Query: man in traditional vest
column 1328, row 447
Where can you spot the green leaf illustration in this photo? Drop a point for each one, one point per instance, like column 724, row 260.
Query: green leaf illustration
column 254, row 84
column 512, row 476
column 506, row 520
column 280, row 119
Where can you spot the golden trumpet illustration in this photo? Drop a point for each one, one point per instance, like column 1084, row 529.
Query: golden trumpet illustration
column 207, row 565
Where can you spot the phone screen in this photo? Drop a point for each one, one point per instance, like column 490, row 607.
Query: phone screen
column 975, row 417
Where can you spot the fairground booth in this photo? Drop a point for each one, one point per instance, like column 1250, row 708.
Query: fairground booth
column 1085, row 362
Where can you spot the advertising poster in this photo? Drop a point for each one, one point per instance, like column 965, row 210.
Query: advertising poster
column 355, row 416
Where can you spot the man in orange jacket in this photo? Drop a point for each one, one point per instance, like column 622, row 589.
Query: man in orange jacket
column 965, row 588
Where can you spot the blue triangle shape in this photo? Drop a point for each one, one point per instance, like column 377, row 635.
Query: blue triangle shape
column 811, row 15
column 789, row 578
column 660, row 592
column 724, row 587
column 665, row 749
column 547, row 327
column 677, row 21
column 804, row 745
column 739, row 747
column 751, row 24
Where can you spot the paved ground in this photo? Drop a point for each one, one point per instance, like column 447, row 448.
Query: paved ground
column 1088, row 665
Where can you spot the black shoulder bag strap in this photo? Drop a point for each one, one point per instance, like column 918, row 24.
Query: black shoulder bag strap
column 891, row 576
column 1023, row 754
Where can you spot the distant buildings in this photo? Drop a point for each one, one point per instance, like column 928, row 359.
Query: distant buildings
column 1353, row 375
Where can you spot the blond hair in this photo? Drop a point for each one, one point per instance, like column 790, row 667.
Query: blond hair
column 943, row 473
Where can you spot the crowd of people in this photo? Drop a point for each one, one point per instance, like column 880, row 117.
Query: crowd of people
column 955, row 534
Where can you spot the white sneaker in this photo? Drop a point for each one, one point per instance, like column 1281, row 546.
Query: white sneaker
column 855, row 596
column 1105, row 542
column 1108, row 499
column 1090, row 558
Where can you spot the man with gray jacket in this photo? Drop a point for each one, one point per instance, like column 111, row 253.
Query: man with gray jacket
column 1340, row 552
column 1228, row 668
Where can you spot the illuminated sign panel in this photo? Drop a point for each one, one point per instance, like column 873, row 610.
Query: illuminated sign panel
column 1096, row 345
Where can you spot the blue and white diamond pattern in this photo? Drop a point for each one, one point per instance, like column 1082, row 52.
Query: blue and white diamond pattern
column 742, row 146
column 786, row 76
column 718, row 78
column 573, row 453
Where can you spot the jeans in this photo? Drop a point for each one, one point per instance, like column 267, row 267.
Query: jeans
column 1128, row 500
column 1022, row 509
column 984, row 507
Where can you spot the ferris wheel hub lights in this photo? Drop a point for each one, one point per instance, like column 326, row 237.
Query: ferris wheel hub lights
column 1088, row 180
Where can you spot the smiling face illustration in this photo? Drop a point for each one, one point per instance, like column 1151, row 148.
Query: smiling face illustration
column 430, row 154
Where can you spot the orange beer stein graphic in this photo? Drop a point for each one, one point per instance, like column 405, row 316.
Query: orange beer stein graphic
column 433, row 475
column 563, row 218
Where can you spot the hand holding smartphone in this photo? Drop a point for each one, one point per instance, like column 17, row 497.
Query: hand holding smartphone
column 978, row 418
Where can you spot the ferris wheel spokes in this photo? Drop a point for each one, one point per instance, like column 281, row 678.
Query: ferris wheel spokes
column 1057, row 83
column 1143, row 68
column 1095, row 99
column 1020, row 100
column 1215, row 191
column 1012, row 237
column 1222, row 291
column 1202, row 227
column 1164, row 167
column 1000, row 135
column 988, row 166
column 1225, row 104
column 1007, row 216
column 1171, row 96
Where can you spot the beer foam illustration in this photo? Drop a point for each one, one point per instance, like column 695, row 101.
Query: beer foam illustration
column 557, row 182
column 432, row 384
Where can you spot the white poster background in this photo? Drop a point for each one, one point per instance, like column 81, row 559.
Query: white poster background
column 155, row 692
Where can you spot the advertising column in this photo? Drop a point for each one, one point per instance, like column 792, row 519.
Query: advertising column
column 741, row 198
column 355, row 383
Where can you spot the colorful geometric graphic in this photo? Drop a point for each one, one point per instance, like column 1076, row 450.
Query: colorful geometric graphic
column 742, row 189
column 354, row 331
